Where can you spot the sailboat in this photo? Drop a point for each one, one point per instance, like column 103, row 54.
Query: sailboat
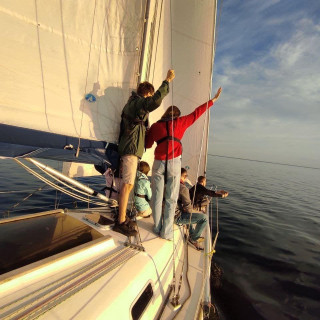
column 67, row 70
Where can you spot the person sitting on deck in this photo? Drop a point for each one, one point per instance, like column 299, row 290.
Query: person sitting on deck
column 199, row 194
column 131, row 142
column 185, row 214
column 143, row 193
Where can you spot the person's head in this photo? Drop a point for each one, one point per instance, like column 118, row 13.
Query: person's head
column 184, row 174
column 202, row 180
column 145, row 89
column 171, row 112
column 144, row 167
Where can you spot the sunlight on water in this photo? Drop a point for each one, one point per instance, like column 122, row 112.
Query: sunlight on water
column 269, row 243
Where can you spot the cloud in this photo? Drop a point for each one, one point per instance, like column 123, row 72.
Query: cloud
column 271, row 95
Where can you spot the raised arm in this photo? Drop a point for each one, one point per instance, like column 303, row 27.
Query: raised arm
column 192, row 117
column 152, row 103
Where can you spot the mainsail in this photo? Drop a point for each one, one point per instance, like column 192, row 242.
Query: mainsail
column 182, row 39
column 55, row 53
column 68, row 68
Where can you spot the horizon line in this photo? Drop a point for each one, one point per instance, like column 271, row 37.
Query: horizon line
column 270, row 162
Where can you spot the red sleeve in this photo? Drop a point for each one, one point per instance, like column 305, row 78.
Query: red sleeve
column 150, row 137
column 189, row 119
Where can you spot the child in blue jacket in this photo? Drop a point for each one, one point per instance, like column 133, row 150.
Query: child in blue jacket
column 142, row 192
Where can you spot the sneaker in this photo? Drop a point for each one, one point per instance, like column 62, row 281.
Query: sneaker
column 125, row 229
column 195, row 244
column 200, row 239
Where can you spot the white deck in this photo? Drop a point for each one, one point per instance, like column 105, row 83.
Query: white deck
column 66, row 285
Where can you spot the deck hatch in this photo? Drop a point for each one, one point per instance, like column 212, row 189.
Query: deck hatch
column 25, row 241
column 142, row 302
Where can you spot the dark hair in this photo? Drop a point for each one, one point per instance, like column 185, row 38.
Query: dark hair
column 201, row 179
column 171, row 112
column 144, row 88
column 144, row 167
column 183, row 170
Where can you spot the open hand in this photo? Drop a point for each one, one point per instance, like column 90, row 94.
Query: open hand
column 216, row 97
column 222, row 193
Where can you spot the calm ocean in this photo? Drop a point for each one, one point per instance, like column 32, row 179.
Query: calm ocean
column 269, row 240
column 268, row 245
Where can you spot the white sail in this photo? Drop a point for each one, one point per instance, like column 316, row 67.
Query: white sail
column 56, row 52
column 183, row 36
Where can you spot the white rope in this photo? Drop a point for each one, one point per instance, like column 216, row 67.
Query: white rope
column 155, row 59
column 41, row 65
column 198, row 167
column 56, row 186
column 85, row 88
column 172, row 146
column 102, row 32
column 66, row 65
column 24, row 199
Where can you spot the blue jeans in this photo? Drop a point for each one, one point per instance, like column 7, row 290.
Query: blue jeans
column 200, row 219
column 163, row 221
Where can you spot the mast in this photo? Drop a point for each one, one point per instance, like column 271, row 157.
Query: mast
column 143, row 47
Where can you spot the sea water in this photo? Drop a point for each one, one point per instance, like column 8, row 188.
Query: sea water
column 269, row 240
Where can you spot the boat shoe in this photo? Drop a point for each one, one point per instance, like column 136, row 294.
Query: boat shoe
column 125, row 228
column 130, row 222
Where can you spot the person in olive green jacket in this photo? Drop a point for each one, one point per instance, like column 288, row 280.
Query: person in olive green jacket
column 134, row 121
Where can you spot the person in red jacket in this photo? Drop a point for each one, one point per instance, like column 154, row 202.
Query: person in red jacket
column 167, row 133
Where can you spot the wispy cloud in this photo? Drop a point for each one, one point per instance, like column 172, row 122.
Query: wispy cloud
column 271, row 87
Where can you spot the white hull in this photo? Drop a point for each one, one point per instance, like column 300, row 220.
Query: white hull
column 103, row 279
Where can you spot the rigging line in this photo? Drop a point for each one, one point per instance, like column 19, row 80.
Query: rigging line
column 60, row 181
column 66, row 65
column 56, row 186
column 25, row 198
column 102, row 32
column 60, row 188
column 85, row 88
column 143, row 49
column 213, row 247
column 262, row 161
column 155, row 58
column 41, row 65
column 151, row 40
column 216, row 31
column 214, row 44
column 198, row 168
column 143, row 30
column 205, row 128
column 172, row 146
column 57, row 202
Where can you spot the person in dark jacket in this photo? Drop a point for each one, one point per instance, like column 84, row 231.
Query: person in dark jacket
column 200, row 195
column 186, row 215
column 134, row 120
column 167, row 133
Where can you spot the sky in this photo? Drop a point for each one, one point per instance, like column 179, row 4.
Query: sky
column 268, row 63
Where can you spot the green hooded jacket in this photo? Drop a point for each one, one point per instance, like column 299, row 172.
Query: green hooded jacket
column 134, row 118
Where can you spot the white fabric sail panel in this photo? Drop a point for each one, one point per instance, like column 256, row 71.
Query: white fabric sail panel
column 159, row 51
column 48, row 68
column 193, row 24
